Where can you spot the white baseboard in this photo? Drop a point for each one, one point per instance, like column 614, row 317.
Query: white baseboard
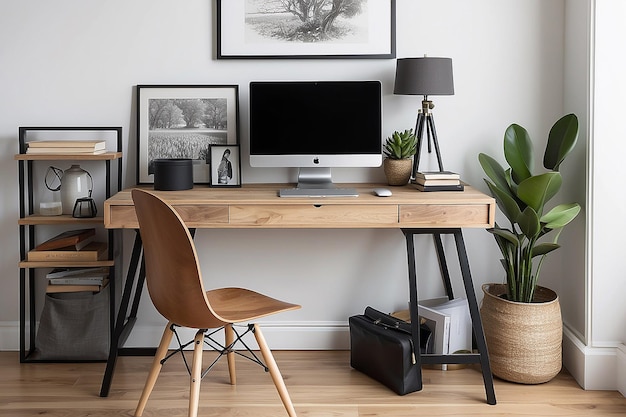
column 595, row 368
column 621, row 369
column 279, row 336
column 9, row 336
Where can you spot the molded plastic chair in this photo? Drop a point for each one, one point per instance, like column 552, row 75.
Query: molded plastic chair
column 176, row 288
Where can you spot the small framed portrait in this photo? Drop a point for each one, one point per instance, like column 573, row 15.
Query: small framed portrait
column 225, row 166
column 183, row 121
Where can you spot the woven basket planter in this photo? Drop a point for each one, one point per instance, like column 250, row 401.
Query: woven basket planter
column 523, row 339
column 397, row 171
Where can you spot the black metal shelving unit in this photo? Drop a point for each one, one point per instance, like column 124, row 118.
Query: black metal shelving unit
column 29, row 221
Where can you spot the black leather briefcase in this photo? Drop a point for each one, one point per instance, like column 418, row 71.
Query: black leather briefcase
column 382, row 348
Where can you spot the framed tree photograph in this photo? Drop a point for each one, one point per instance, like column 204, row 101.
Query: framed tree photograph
column 306, row 29
column 225, row 166
column 184, row 121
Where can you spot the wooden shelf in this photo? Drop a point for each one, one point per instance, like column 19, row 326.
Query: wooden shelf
column 37, row 219
column 107, row 156
column 60, row 264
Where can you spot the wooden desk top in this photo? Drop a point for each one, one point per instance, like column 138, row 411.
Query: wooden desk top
column 258, row 206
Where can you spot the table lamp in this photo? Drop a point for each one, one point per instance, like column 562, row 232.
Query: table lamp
column 424, row 76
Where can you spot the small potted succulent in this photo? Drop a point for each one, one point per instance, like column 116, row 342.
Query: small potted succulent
column 398, row 150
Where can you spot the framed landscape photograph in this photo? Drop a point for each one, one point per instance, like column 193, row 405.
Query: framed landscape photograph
column 306, row 29
column 184, row 121
column 225, row 166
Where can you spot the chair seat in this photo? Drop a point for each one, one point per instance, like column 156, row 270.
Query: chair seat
column 235, row 305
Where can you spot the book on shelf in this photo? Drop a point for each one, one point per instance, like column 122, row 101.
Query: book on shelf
column 77, row 239
column 94, row 251
column 437, row 175
column 423, row 181
column 93, row 145
column 77, row 275
column 426, row 188
column 51, row 288
column 68, row 272
column 77, row 281
column 64, row 151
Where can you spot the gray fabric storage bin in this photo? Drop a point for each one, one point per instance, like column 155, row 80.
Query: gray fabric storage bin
column 74, row 326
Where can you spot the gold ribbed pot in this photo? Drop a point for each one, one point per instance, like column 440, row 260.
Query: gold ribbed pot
column 397, row 171
column 524, row 339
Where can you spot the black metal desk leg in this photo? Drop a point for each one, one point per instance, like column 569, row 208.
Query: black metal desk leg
column 120, row 324
column 477, row 323
column 443, row 266
column 413, row 304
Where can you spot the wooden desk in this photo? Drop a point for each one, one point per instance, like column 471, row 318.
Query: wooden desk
column 257, row 206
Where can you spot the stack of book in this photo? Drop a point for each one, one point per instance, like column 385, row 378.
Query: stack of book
column 77, row 279
column 72, row 245
column 78, row 147
column 438, row 181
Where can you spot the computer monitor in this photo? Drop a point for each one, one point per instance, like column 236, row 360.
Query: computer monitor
column 315, row 126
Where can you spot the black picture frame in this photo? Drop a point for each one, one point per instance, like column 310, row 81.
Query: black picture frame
column 183, row 121
column 225, row 166
column 245, row 31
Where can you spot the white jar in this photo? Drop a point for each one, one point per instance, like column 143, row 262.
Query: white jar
column 75, row 184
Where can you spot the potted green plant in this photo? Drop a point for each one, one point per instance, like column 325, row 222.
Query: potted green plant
column 523, row 196
column 399, row 149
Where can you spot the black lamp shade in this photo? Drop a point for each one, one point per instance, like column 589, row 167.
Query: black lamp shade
column 424, row 76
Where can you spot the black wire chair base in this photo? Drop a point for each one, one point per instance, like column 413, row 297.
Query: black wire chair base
column 216, row 346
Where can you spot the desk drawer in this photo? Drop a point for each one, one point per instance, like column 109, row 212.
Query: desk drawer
column 315, row 216
column 193, row 215
column 444, row 215
column 199, row 215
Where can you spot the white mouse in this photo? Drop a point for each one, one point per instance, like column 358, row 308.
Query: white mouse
column 382, row 192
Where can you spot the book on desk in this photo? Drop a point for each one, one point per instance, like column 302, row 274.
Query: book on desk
column 438, row 181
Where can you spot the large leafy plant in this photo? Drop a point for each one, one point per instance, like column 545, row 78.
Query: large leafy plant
column 522, row 196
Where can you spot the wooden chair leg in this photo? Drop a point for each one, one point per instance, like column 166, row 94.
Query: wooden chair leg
column 274, row 371
column 229, row 338
column 196, row 374
column 156, row 368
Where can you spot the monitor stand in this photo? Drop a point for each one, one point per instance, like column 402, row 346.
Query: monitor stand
column 316, row 182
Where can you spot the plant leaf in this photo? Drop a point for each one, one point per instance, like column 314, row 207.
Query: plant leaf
column 537, row 190
column 493, row 170
column 506, row 234
column 505, row 201
column 560, row 215
column 529, row 223
column 544, row 248
column 518, row 152
column 561, row 140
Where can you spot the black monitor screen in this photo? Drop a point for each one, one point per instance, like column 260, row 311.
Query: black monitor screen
column 315, row 118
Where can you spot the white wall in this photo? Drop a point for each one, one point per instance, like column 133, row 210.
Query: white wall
column 75, row 62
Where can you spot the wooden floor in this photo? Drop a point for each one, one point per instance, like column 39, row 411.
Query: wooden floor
column 320, row 384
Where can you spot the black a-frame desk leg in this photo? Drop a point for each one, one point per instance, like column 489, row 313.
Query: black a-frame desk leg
column 125, row 321
column 483, row 356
